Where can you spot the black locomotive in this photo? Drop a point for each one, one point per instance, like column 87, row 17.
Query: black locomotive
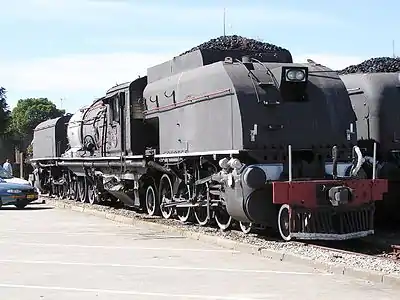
column 375, row 100
column 220, row 136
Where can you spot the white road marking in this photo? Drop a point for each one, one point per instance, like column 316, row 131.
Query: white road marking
column 79, row 225
column 118, row 247
column 89, row 233
column 43, row 262
column 126, row 292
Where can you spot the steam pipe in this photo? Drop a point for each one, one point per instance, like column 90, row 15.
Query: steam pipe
column 46, row 165
column 208, row 203
column 101, row 164
column 334, row 157
column 161, row 168
column 290, row 162
column 357, row 155
column 374, row 163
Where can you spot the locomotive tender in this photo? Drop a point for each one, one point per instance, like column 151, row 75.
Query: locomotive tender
column 375, row 100
column 220, row 136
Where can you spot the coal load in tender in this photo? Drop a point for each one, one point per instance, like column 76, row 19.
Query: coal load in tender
column 374, row 65
column 242, row 44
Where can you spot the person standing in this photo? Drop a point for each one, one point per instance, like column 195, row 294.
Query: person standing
column 8, row 167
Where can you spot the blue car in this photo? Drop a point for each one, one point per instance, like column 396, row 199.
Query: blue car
column 19, row 195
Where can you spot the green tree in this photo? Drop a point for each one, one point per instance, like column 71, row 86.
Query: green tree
column 29, row 113
column 4, row 112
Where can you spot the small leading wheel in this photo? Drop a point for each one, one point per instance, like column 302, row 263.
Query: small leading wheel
column 184, row 213
column 284, row 222
column 166, row 194
column 200, row 212
column 152, row 205
column 72, row 191
column 92, row 194
column 82, row 189
column 245, row 226
column 223, row 219
column 63, row 190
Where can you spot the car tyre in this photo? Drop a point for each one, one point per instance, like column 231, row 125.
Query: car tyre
column 20, row 205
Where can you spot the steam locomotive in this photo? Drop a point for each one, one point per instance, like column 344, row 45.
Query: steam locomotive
column 219, row 137
column 375, row 100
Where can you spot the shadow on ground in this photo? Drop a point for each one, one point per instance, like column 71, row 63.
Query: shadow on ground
column 30, row 208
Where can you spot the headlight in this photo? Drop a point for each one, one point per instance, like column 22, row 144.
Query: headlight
column 14, row 191
column 295, row 75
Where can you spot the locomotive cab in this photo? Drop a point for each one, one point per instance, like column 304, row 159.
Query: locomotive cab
column 123, row 130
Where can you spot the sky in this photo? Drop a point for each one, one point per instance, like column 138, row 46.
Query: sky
column 72, row 51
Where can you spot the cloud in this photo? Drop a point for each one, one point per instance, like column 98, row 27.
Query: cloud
column 87, row 76
column 78, row 77
column 154, row 43
column 77, row 71
column 61, row 10
column 91, row 71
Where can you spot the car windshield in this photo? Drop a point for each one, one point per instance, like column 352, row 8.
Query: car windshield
column 4, row 174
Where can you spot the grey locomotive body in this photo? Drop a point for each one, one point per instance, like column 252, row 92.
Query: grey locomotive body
column 220, row 136
column 248, row 105
column 375, row 100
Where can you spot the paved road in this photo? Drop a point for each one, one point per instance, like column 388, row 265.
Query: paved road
column 48, row 253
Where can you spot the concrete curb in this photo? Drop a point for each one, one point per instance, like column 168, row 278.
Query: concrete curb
column 371, row 276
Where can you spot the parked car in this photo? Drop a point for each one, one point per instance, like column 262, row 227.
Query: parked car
column 17, row 194
column 11, row 179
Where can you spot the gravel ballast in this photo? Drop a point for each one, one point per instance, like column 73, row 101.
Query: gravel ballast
column 344, row 263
